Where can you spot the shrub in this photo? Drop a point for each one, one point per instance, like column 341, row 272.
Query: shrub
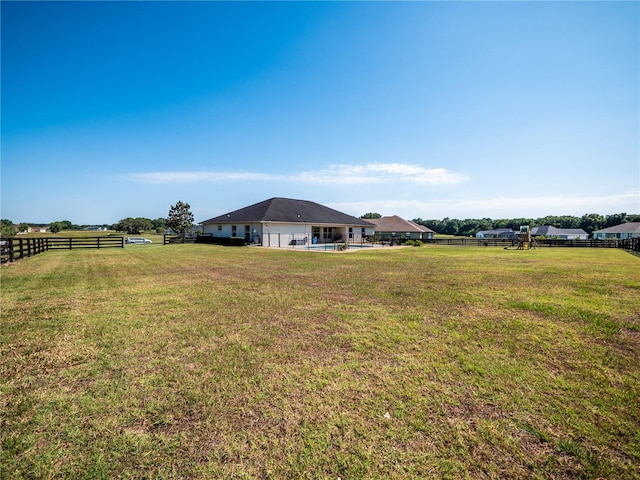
column 237, row 242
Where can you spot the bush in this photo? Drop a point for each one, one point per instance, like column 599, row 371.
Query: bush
column 237, row 242
column 228, row 241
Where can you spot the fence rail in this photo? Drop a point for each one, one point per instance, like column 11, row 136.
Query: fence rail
column 168, row 239
column 15, row 248
column 632, row 244
column 549, row 242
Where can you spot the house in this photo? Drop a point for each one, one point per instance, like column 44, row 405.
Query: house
column 619, row 232
column 550, row 231
column 505, row 233
column 397, row 227
column 280, row 222
column 39, row 229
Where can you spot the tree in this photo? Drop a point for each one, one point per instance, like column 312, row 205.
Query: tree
column 55, row 227
column 159, row 224
column 134, row 225
column 7, row 229
column 591, row 222
column 180, row 218
column 371, row 215
column 615, row 219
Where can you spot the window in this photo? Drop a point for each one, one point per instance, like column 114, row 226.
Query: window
column 219, row 228
column 234, row 231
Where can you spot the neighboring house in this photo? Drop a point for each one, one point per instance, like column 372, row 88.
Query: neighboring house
column 397, row 227
column 280, row 222
column 559, row 233
column 39, row 230
column 505, row 233
column 619, row 232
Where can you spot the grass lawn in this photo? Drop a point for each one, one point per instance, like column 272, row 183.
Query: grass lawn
column 199, row 361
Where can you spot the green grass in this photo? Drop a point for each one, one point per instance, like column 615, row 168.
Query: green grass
column 197, row 361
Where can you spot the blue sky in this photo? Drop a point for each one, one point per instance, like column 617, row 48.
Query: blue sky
column 420, row 109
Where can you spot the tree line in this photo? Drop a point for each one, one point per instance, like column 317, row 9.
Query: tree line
column 470, row 226
column 179, row 220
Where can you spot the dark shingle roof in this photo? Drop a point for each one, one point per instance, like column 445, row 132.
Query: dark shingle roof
column 630, row 227
column 549, row 230
column 288, row 210
column 397, row 224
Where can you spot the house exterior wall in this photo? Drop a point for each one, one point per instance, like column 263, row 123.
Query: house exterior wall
column 504, row 234
column 283, row 235
column 385, row 236
column 614, row 236
column 38, row 230
column 226, row 230
column 576, row 236
column 275, row 234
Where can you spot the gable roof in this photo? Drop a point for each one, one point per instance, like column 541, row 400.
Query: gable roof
column 288, row 210
column 397, row 224
column 629, row 227
column 547, row 230
column 498, row 231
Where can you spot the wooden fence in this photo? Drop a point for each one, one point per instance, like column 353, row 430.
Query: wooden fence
column 632, row 244
column 168, row 239
column 15, row 248
column 499, row 242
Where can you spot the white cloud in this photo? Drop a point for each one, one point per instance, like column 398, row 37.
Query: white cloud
column 370, row 173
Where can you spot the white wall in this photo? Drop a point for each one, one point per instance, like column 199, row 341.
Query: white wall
column 281, row 234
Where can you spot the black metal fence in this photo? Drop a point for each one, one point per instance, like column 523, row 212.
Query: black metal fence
column 15, row 248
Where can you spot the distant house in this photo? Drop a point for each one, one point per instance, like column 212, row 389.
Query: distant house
column 503, row 233
column 39, row 229
column 619, row 232
column 279, row 222
column 550, row 231
column 395, row 226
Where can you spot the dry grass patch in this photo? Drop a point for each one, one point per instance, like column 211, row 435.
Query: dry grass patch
column 208, row 362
